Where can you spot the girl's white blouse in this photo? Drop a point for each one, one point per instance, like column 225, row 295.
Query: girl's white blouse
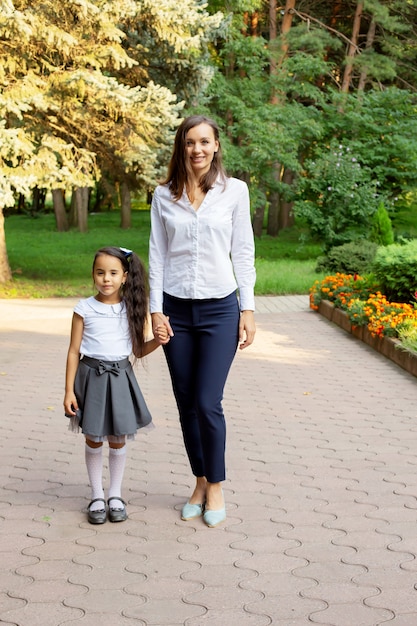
column 207, row 253
column 106, row 333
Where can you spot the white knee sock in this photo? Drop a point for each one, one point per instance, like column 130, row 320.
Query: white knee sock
column 117, row 462
column 94, row 463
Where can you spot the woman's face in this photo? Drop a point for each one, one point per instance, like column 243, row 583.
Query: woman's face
column 200, row 147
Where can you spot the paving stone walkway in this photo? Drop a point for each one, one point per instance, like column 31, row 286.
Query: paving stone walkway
column 321, row 491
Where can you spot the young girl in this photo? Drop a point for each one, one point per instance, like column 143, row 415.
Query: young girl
column 102, row 396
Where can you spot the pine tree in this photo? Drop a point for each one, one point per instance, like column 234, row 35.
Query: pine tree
column 77, row 97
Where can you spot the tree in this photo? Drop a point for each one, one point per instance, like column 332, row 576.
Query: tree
column 276, row 205
column 167, row 44
column 365, row 157
column 299, row 58
column 64, row 83
column 263, row 111
column 24, row 163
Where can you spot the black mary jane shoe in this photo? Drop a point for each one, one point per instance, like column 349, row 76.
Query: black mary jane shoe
column 97, row 517
column 117, row 514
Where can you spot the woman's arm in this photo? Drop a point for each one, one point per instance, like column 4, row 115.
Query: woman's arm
column 243, row 258
column 243, row 250
column 158, row 250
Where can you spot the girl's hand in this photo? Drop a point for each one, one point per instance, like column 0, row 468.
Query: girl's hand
column 161, row 328
column 161, row 334
column 247, row 329
column 70, row 403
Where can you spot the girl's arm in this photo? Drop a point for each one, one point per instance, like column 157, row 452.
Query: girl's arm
column 161, row 337
column 73, row 358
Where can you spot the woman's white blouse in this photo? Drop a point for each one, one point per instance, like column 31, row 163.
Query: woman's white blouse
column 207, row 253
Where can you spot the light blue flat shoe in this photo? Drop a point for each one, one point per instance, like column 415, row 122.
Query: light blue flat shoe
column 214, row 518
column 191, row 511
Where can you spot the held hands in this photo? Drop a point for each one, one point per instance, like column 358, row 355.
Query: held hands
column 161, row 328
column 247, row 329
column 161, row 334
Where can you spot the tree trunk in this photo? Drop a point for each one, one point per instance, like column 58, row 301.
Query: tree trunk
column 72, row 215
column 81, row 196
column 272, row 226
column 254, row 23
column 21, row 203
column 59, row 210
column 274, row 199
column 286, row 216
column 285, row 28
column 258, row 220
column 336, row 11
column 125, row 206
column 370, row 37
column 353, row 46
column 5, row 271
column 35, row 200
column 272, row 34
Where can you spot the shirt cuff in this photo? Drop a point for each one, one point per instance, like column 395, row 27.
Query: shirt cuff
column 247, row 299
column 156, row 301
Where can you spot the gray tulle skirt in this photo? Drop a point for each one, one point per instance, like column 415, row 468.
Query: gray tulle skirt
column 109, row 398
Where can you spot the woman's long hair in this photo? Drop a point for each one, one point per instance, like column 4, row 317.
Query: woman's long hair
column 178, row 173
column 135, row 294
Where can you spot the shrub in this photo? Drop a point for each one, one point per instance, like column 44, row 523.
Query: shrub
column 337, row 194
column 382, row 232
column 355, row 257
column 395, row 269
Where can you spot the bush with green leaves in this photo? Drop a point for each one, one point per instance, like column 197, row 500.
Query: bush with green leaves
column 366, row 154
column 337, row 196
column 395, row 269
column 355, row 257
column 382, row 232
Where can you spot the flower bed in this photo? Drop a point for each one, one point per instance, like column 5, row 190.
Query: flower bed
column 354, row 303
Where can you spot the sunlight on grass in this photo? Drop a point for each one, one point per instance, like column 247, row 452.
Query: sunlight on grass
column 285, row 277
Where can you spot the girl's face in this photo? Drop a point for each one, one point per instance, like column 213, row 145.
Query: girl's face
column 200, row 146
column 108, row 276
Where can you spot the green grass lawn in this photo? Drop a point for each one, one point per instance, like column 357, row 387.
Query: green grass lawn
column 46, row 263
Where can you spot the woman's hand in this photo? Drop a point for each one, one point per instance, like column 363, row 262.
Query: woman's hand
column 247, row 329
column 161, row 328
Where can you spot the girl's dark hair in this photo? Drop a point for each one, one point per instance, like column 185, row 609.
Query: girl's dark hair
column 135, row 294
column 177, row 169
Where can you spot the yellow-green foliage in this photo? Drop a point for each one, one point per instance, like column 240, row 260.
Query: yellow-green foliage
column 77, row 95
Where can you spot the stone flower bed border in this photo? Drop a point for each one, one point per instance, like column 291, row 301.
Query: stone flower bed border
column 389, row 347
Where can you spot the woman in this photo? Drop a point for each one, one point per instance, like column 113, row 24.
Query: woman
column 201, row 251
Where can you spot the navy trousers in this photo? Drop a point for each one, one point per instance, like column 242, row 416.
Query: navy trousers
column 199, row 356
